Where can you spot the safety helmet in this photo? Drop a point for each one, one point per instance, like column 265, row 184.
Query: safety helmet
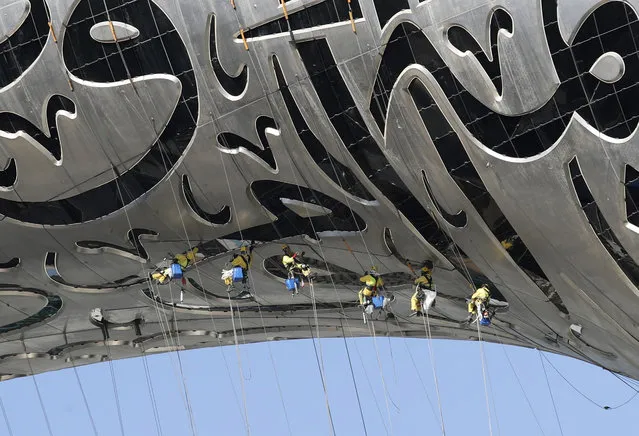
column 243, row 249
column 285, row 247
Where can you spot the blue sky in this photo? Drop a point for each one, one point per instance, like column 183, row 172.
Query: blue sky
column 407, row 405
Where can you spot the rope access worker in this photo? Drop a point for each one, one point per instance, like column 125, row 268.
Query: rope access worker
column 372, row 283
column 480, row 297
column 175, row 269
column 243, row 261
column 187, row 258
column 423, row 286
column 294, row 263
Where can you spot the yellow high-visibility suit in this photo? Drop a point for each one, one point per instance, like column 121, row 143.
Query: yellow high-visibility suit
column 187, row 258
column 417, row 300
column 291, row 264
column 424, row 281
column 371, row 285
column 481, row 295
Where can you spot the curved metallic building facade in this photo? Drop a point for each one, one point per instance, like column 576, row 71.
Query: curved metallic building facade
column 496, row 138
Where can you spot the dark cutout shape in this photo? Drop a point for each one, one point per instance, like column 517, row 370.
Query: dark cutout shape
column 11, row 264
column 462, row 171
column 631, row 183
column 134, row 236
column 220, row 218
column 339, row 275
column 348, row 122
column 255, row 308
column 234, row 85
column 326, row 12
column 12, row 123
column 50, row 310
column 611, row 108
column 9, row 175
column 387, row 9
column 51, row 270
column 268, row 194
column 336, row 171
column 206, row 293
column 390, row 244
column 24, row 46
column 231, row 141
column 599, row 224
column 346, row 119
column 89, row 60
column 458, row 220
column 463, row 41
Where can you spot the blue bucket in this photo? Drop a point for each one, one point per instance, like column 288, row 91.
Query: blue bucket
column 484, row 321
column 291, row 284
column 238, row 274
column 176, row 270
column 378, row 302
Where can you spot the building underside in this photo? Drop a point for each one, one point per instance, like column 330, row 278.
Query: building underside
column 493, row 138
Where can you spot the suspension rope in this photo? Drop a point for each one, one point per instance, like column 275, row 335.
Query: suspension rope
column 115, row 389
column 239, row 359
column 52, row 31
column 371, row 327
column 350, row 364
column 604, row 407
column 483, row 371
column 37, row 388
column 6, row 417
column 168, row 336
column 426, row 322
column 554, row 406
column 521, row 386
column 319, row 367
column 75, row 370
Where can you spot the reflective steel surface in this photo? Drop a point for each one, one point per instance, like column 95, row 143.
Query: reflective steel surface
column 494, row 138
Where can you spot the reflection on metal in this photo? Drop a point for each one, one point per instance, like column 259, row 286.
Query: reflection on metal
column 495, row 139
column 51, row 270
column 51, row 306
column 609, row 68
column 14, row 13
column 10, row 265
column 304, row 209
column 113, row 31
column 134, row 237
column 216, row 219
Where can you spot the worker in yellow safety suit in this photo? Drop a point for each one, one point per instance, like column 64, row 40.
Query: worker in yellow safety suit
column 422, row 283
column 480, row 296
column 187, row 258
column 372, row 283
column 182, row 259
column 243, row 259
column 162, row 276
column 294, row 263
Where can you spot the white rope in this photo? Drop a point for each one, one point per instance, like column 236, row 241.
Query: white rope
column 483, row 371
column 6, row 417
column 319, row 366
column 239, row 361
column 381, row 371
column 431, row 353
column 35, row 384
column 167, row 336
column 552, row 397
